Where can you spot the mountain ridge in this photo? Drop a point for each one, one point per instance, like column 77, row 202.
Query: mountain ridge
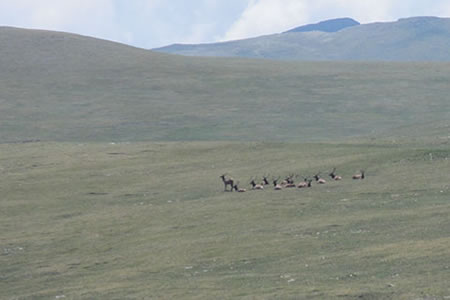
column 408, row 39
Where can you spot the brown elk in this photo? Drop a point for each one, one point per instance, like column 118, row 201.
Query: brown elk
column 288, row 182
column 277, row 186
column 237, row 189
column 359, row 175
column 226, row 182
column 334, row 176
column 290, row 179
column 305, row 183
column 319, row 180
column 265, row 180
column 256, row 186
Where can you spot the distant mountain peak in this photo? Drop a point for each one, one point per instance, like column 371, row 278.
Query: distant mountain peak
column 408, row 39
column 333, row 25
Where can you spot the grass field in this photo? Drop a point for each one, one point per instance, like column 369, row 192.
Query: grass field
column 151, row 221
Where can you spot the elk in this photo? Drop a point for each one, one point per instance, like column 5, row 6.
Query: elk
column 256, row 186
column 265, row 180
column 237, row 189
column 288, row 181
column 277, row 186
column 290, row 185
column 226, row 182
column 305, row 183
column 359, row 175
column 334, row 176
column 319, row 180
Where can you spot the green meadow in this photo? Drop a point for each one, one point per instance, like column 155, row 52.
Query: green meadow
column 151, row 221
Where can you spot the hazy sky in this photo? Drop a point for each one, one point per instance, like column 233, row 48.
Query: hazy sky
column 154, row 23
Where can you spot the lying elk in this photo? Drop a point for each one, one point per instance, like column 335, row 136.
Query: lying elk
column 226, row 182
column 256, row 186
column 288, row 182
column 305, row 183
column 290, row 185
column 265, row 180
column 277, row 186
column 334, row 176
column 359, row 175
column 237, row 189
column 319, row 180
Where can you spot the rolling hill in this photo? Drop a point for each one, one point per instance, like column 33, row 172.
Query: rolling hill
column 63, row 87
column 411, row 39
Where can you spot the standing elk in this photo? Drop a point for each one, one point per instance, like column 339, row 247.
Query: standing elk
column 226, row 182
column 334, row 176
column 319, row 180
column 256, row 186
column 237, row 189
column 359, row 175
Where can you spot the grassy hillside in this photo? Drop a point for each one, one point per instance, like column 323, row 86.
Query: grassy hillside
column 151, row 221
column 412, row 39
column 62, row 87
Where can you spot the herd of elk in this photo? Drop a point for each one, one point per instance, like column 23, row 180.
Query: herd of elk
column 288, row 181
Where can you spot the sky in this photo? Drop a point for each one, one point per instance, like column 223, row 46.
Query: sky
column 155, row 23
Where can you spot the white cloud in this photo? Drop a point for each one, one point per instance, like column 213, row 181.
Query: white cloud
column 199, row 33
column 443, row 10
column 267, row 16
column 94, row 18
column 80, row 13
column 181, row 21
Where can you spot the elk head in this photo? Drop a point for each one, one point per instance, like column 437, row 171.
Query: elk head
column 265, row 180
